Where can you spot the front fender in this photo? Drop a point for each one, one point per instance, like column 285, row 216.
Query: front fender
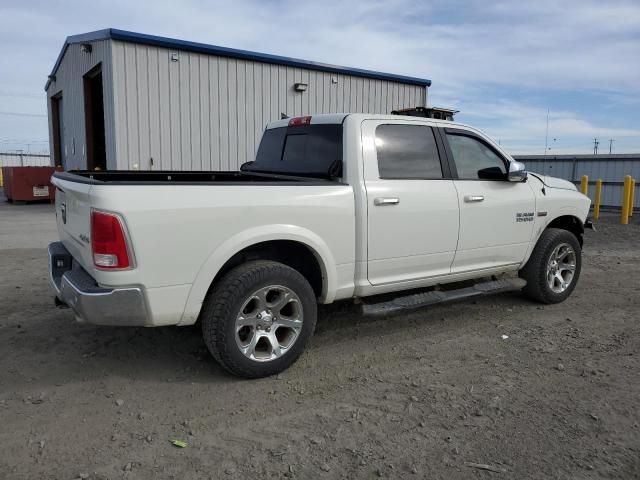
column 542, row 223
column 250, row 237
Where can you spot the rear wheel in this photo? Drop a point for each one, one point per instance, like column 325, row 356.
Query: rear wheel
column 553, row 269
column 257, row 320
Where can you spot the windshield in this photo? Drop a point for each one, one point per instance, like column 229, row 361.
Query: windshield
column 309, row 150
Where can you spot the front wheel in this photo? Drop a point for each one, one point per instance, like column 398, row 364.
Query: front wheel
column 257, row 320
column 553, row 269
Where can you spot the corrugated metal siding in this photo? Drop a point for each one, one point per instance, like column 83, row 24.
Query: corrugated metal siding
column 75, row 64
column 24, row 160
column 607, row 169
column 207, row 112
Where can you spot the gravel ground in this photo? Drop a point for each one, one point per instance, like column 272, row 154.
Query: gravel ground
column 434, row 394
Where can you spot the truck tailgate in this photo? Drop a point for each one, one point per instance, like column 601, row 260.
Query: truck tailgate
column 73, row 217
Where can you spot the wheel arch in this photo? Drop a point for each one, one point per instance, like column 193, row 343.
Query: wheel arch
column 296, row 247
column 570, row 223
column 565, row 220
column 294, row 254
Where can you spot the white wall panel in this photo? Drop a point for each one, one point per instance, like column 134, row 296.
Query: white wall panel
column 202, row 111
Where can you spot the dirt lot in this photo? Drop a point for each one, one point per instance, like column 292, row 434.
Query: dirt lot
column 417, row 396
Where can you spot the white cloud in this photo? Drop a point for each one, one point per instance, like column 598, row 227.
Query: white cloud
column 521, row 128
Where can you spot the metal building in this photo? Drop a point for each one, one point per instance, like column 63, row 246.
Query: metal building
column 124, row 100
column 610, row 168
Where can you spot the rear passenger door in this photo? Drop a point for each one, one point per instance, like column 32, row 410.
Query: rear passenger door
column 412, row 205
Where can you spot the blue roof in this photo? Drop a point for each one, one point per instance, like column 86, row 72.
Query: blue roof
column 123, row 35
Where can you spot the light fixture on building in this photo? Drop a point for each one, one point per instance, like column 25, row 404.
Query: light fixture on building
column 174, row 56
column 86, row 48
column 300, row 87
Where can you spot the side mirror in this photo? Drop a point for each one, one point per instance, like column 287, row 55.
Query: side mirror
column 517, row 172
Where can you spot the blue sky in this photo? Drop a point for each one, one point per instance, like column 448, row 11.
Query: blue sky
column 502, row 64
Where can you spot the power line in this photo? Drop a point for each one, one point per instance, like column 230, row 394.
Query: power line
column 17, row 95
column 9, row 139
column 21, row 114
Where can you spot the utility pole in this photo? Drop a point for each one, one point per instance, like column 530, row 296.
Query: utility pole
column 546, row 145
column 546, row 135
column 595, row 146
column 611, row 140
column 21, row 152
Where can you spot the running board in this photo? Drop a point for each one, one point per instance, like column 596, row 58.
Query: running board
column 418, row 300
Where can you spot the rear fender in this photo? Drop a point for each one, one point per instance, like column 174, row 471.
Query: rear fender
column 246, row 239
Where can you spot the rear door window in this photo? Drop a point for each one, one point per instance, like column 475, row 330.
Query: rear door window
column 407, row 152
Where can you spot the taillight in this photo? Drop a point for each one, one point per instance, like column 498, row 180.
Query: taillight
column 298, row 121
column 108, row 242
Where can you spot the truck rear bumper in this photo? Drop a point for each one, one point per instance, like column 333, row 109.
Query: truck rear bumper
column 92, row 303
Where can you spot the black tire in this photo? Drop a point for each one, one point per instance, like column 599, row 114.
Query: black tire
column 535, row 270
column 226, row 299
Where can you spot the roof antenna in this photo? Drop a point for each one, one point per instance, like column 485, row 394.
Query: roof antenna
column 283, row 116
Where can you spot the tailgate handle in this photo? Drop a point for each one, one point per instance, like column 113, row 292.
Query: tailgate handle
column 382, row 201
column 473, row 198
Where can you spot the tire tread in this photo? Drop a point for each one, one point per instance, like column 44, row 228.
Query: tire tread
column 534, row 272
column 218, row 307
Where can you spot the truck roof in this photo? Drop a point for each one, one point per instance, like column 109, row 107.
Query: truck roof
column 336, row 118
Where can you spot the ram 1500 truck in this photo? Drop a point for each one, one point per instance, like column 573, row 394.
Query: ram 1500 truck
column 337, row 206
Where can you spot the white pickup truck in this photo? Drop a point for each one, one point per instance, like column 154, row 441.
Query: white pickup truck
column 340, row 206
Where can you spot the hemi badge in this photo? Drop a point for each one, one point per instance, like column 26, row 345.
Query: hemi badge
column 542, row 214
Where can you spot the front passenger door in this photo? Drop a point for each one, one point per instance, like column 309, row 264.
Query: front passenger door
column 496, row 216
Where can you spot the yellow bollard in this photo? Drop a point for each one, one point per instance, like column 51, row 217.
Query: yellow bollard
column 584, row 185
column 596, row 201
column 626, row 191
column 632, row 196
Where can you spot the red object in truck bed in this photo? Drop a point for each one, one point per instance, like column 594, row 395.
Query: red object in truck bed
column 28, row 183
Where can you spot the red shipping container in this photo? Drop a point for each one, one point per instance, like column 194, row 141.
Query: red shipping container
column 28, row 183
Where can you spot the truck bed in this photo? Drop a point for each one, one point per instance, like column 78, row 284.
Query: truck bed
column 136, row 177
column 181, row 226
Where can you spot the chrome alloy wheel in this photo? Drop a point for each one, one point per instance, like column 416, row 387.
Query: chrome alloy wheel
column 561, row 268
column 269, row 322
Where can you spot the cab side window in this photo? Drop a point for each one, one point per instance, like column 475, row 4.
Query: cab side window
column 407, row 152
column 474, row 160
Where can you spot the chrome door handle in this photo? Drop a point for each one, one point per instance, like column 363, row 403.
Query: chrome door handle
column 473, row 198
column 381, row 201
